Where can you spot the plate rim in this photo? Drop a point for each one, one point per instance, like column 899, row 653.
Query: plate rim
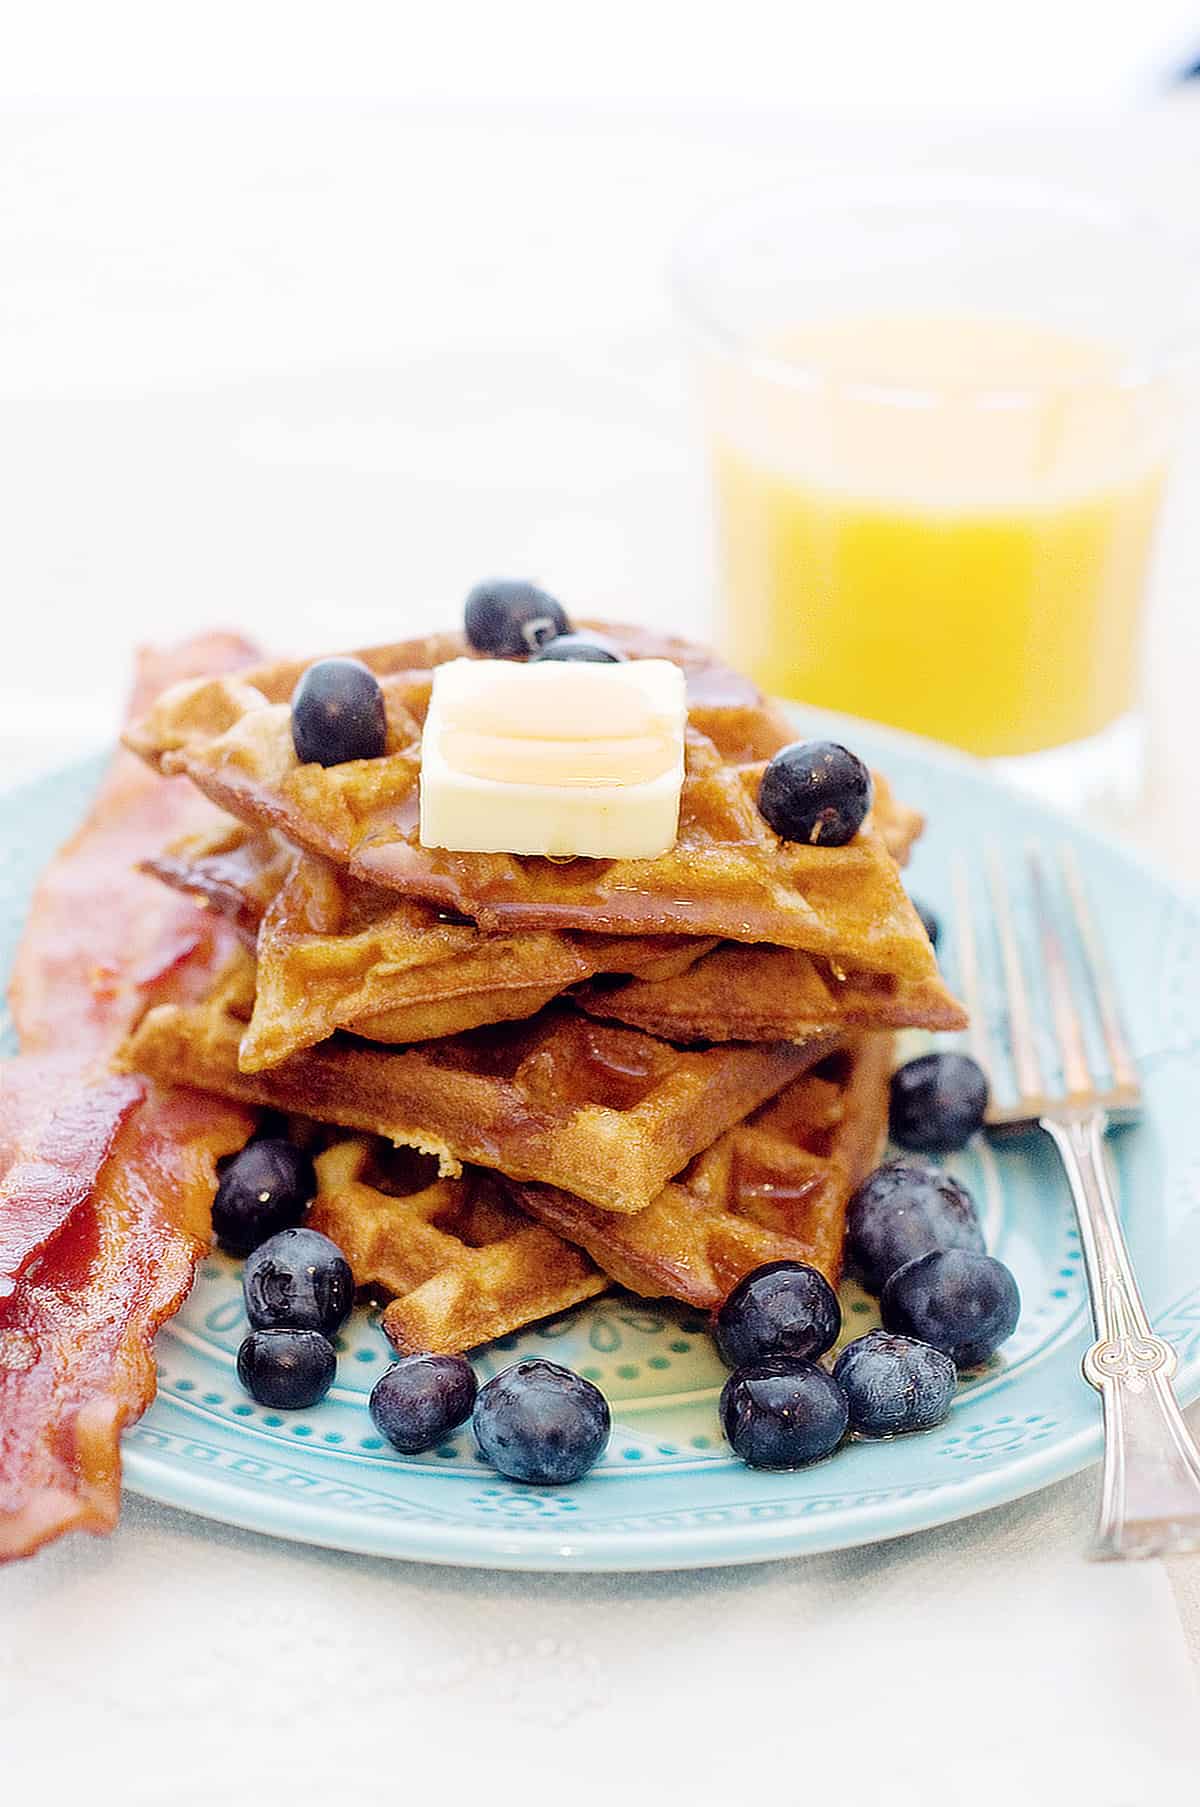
column 599, row 1552
column 677, row 1547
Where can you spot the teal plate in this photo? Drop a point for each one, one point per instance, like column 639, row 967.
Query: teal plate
column 668, row 1495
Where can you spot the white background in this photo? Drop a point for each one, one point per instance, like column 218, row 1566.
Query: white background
column 860, row 56
column 309, row 316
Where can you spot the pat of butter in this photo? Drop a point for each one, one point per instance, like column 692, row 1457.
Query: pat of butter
column 566, row 759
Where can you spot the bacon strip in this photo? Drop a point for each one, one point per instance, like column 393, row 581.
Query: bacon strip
column 101, row 941
column 42, row 1190
column 105, row 1185
column 76, row 1360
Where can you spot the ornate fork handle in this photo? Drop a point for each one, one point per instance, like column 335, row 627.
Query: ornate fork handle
column 1150, row 1505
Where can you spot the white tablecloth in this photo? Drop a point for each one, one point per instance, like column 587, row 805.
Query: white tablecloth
column 313, row 374
column 983, row 1664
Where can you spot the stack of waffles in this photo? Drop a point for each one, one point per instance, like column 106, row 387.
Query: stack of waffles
column 525, row 1079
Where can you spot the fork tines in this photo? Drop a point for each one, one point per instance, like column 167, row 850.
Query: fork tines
column 1062, row 958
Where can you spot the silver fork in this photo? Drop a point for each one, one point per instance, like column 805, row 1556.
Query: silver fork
column 1150, row 1503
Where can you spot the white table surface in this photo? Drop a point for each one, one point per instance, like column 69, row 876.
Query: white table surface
column 312, row 374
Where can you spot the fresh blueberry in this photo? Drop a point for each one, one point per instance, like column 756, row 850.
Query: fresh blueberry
column 298, row 1280
column 264, row 1189
column 506, row 617
column 783, row 1308
column 961, row 1302
column 539, row 1422
column 590, row 647
column 420, row 1400
column 783, row 1413
column 817, row 792
column 929, row 921
column 338, row 714
column 902, row 1210
column 894, row 1383
column 937, row 1102
column 288, row 1368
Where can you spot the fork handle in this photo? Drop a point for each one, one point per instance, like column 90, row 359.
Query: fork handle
column 1150, row 1503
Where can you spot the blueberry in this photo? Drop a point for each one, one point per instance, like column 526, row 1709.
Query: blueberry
column 298, row 1280
column 591, row 647
column 783, row 1308
column 783, row 1413
column 902, row 1210
column 506, row 617
column 961, row 1302
column 264, row 1189
column 420, row 1400
column 338, row 714
column 895, row 1384
column 929, row 921
column 937, row 1102
column 288, row 1368
column 815, row 791
column 539, row 1422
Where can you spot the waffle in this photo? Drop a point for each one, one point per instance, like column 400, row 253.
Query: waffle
column 774, row 1187
column 464, row 1265
column 735, row 993
column 728, row 875
column 603, row 1111
column 337, row 954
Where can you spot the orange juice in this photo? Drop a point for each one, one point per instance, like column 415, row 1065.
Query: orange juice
column 965, row 555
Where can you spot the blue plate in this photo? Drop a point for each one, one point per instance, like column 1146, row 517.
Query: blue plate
column 668, row 1495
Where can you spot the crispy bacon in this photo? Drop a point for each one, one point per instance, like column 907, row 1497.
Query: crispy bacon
column 105, row 1184
column 103, row 940
column 76, row 1361
column 42, row 1189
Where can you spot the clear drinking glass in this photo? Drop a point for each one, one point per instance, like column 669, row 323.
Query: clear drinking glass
column 941, row 411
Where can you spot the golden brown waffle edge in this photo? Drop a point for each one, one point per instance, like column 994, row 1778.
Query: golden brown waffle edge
column 737, row 993
column 603, row 1111
column 729, row 875
column 773, row 1187
column 462, row 1263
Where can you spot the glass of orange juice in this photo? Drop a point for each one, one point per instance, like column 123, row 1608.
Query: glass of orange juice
column 941, row 412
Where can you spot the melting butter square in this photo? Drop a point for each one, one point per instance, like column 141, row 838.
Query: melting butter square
column 560, row 758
